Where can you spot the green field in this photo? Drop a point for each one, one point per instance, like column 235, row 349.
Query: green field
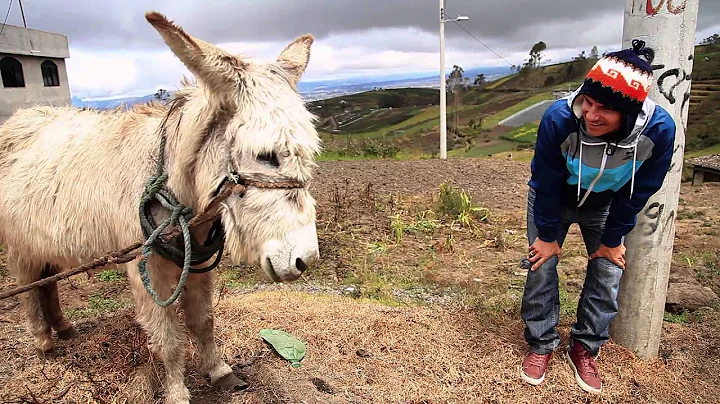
column 523, row 134
column 380, row 119
column 706, row 69
column 497, row 83
column 703, row 152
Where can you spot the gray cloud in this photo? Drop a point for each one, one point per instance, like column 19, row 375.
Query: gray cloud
column 96, row 25
column 112, row 39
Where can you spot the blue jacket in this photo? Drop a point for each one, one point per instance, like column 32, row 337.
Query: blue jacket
column 573, row 168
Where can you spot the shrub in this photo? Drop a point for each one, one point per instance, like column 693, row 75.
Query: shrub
column 457, row 204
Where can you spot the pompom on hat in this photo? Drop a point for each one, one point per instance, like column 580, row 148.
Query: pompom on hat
column 621, row 80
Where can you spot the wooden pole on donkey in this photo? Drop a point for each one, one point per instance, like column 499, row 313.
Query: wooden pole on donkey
column 668, row 28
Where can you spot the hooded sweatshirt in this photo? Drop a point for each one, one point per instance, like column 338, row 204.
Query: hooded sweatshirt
column 573, row 168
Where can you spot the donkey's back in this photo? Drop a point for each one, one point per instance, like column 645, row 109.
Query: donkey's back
column 70, row 180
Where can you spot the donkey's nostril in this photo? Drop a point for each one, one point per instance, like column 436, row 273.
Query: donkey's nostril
column 300, row 265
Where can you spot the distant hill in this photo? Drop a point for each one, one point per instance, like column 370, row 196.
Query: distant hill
column 111, row 103
column 324, row 89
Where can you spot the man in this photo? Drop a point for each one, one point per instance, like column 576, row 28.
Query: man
column 600, row 154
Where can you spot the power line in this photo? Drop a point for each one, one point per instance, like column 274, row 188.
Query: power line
column 22, row 12
column 477, row 39
column 6, row 18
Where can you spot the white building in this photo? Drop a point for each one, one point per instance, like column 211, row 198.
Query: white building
column 32, row 69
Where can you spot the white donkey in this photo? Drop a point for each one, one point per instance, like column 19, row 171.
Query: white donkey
column 71, row 181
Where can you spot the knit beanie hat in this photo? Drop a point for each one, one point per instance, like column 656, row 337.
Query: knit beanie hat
column 621, row 80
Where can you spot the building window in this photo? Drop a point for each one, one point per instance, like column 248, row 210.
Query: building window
column 50, row 73
column 12, row 72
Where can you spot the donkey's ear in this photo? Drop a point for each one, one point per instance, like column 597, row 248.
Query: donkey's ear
column 219, row 70
column 295, row 57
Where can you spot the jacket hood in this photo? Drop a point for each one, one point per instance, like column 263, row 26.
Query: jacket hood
column 609, row 160
column 575, row 100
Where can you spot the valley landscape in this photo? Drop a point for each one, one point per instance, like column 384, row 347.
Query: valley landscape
column 404, row 122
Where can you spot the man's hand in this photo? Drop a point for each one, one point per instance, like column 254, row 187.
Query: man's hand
column 541, row 251
column 616, row 254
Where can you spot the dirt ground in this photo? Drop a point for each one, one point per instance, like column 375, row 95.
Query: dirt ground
column 408, row 305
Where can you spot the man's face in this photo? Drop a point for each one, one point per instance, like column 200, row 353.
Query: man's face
column 599, row 119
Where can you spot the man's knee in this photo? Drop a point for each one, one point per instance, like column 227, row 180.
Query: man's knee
column 543, row 276
column 607, row 277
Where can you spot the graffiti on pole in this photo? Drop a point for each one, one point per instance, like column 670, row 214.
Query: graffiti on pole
column 654, row 7
column 679, row 148
column 674, row 85
column 654, row 212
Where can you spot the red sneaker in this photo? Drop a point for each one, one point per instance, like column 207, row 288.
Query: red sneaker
column 534, row 367
column 587, row 374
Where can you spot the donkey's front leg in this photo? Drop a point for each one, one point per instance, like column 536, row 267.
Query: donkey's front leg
column 197, row 305
column 166, row 338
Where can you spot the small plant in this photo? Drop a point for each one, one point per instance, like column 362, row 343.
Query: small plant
column 457, row 204
column 423, row 223
column 397, row 227
column 450, row 242
column 378, row 247
column 102, row 304
column 98, row 304
column 681, row 318
column 111, row 275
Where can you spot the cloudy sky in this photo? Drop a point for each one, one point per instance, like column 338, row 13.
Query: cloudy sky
column 114, row 51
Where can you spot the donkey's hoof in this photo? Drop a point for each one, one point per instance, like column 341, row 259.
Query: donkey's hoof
column 45, row 351
column 43, row 355
column 43, row 346
column 68, row 333
column 231, row 382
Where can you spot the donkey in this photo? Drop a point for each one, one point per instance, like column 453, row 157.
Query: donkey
column 71, row 181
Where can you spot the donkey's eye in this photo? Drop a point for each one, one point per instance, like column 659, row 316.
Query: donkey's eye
column 269, row 158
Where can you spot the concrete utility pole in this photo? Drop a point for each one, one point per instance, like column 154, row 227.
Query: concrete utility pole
column 668, row 28
column 443, row 94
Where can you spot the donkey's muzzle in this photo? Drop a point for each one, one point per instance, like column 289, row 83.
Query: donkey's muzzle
column 286, row 259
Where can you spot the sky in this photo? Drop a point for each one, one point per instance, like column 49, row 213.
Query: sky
column 115, row 52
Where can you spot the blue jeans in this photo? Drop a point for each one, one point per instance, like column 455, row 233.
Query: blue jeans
column 598, row 301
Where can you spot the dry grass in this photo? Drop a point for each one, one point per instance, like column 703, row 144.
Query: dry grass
column 437, row 312
column 413, row 355
column 434, row 354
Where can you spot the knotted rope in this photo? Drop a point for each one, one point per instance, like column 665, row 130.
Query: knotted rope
column 192, row 252
column 180, row 214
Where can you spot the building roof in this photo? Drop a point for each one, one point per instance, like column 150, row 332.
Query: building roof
column 712, row 162
column 31, row 42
